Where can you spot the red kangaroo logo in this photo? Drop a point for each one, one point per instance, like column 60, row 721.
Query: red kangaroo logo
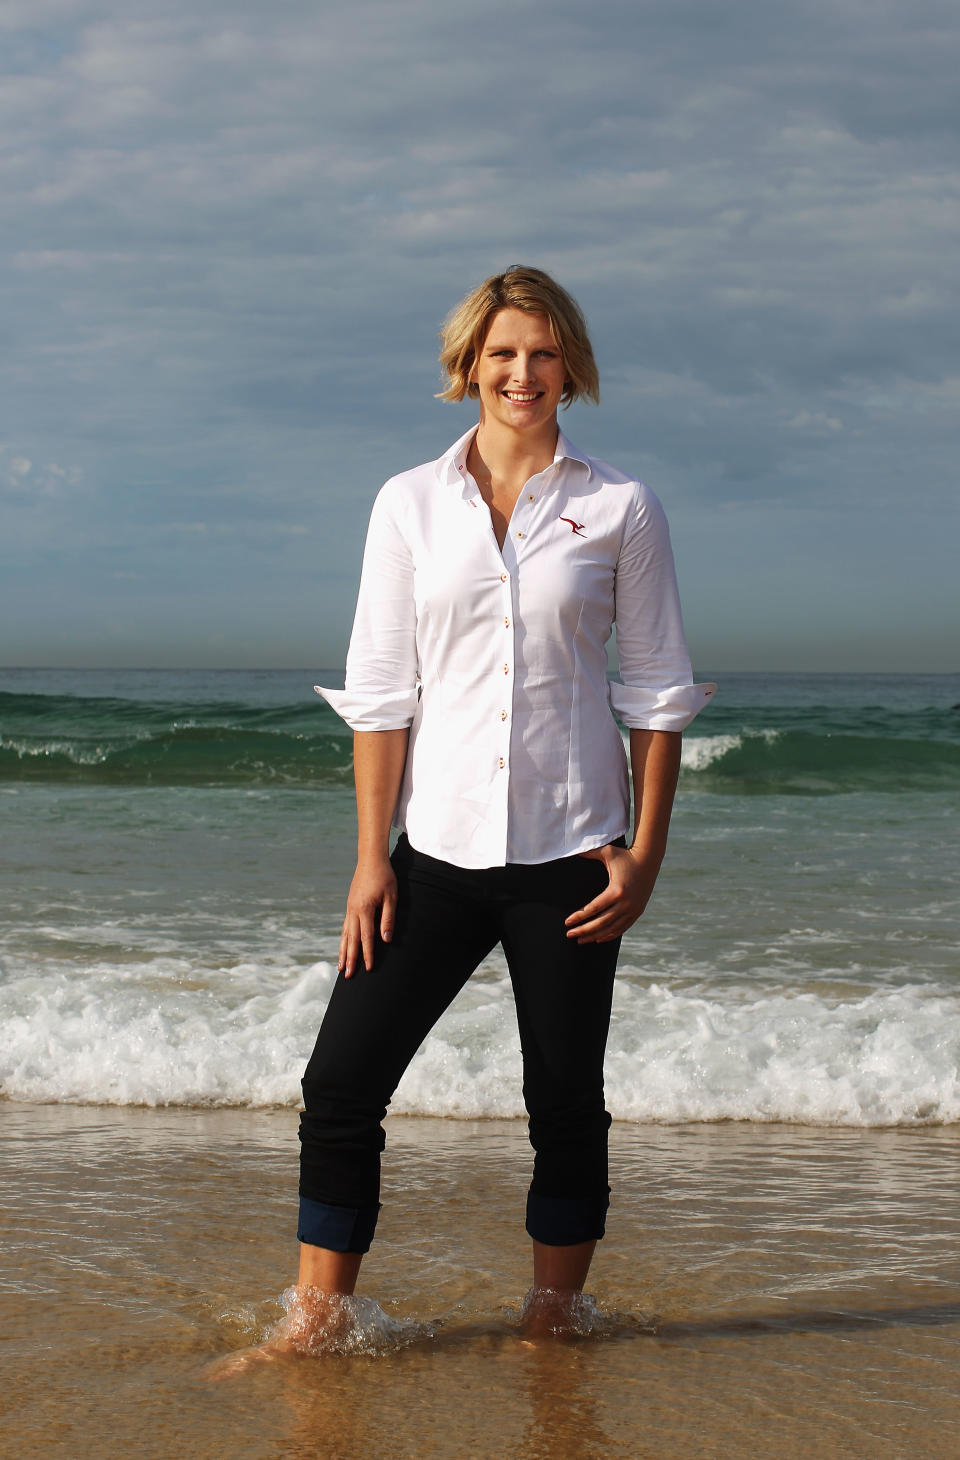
column 577, row 527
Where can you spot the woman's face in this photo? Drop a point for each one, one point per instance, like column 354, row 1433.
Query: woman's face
column 520, row 371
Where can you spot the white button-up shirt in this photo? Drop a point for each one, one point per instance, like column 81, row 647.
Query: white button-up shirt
column 496, row 658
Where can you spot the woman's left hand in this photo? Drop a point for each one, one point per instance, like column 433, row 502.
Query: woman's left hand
column 632, row 876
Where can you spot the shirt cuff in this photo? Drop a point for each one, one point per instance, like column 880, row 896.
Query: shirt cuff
column 388, row 710
column 659, row 709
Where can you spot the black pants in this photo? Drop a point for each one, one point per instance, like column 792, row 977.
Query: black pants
column 448, row 920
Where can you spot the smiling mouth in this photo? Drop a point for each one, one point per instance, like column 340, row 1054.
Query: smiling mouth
column 523, row 397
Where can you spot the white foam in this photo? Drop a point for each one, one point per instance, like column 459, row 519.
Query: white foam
column 888, row 1058
column 348, row 1325
column 160, row 1032
column 78, row 754
column 701, row 752
column 149, row 1035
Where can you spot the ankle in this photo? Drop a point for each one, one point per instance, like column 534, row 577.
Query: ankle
column 558, row 1313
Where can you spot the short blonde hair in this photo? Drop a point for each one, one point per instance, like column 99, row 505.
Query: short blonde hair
column 533, row 291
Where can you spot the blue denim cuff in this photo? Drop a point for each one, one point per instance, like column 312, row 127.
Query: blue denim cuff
column 339, row 1229
column 562, row 1221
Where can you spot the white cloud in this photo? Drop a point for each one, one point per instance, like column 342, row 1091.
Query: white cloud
column 43, row 481
column 816, row 421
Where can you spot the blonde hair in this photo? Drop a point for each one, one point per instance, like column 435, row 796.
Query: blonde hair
column 533, row 291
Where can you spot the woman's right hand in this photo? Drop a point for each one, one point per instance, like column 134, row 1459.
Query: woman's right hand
column 372, row 896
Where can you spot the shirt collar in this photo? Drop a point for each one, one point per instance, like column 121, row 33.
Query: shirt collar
column 566, row 451
column 452, row 466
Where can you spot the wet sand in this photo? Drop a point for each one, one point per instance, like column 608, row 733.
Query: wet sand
column 764, row 1290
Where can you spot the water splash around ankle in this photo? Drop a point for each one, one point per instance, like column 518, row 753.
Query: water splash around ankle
column 316, row 1322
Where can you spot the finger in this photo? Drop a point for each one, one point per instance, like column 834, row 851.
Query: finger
column 613, row 923
column 367, row 939
column 348, row 943
column 606, row 935
column 388, row 915
column 615, row 917
column 607, row 898
column 598, row 929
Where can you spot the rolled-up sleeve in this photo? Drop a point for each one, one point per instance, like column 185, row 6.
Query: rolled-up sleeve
column 657, row 692
column 382, row 669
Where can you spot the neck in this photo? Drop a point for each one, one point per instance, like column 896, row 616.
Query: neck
column 507, row 453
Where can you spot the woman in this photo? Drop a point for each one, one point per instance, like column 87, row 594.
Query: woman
column 477, row 691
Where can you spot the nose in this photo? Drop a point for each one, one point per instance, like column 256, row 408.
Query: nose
column 522, row 367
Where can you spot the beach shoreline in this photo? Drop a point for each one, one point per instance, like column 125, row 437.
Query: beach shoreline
column 752, row 1274
column 176, row 853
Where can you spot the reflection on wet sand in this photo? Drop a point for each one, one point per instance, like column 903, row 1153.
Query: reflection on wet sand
column 828, row 1320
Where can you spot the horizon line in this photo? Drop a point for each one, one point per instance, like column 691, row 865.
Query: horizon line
column 338, row 669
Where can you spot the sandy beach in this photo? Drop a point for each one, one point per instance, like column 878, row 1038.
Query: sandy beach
column 764, row 1289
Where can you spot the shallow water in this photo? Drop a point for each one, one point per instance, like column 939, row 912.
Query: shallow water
column 754, row 1277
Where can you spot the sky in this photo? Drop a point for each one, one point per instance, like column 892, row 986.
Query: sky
column 230, row 233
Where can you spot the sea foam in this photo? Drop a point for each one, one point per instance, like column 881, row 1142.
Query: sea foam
column 163, row 1033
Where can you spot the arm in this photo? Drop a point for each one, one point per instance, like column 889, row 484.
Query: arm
column 378, row 760
column 378, row 703
column 632, row 871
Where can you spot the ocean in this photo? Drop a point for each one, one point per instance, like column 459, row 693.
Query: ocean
column 176, row 847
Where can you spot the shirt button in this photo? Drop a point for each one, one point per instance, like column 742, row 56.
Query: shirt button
column 506, row 623
column 506, row 669
column 503, row 577
column 529, row 496
column 501, row 762
column 503, row 714
column 519, row 534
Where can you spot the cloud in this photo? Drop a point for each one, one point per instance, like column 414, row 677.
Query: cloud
column 48, row 480
column 233, row 231
column 817, row 422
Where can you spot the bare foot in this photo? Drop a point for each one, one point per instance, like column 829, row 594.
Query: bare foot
column 242, row 1360
column 312, row 1324
column 557, row 1313
column 317, row 1322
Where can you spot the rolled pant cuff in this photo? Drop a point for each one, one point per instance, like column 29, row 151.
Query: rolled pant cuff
column 339, row 1229
column 562, row 1221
